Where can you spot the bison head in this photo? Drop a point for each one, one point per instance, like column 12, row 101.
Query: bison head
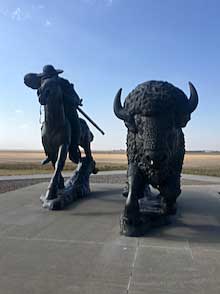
column 154, row 112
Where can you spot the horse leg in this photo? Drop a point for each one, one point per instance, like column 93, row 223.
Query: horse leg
column 61, row 179
column 170, row 191
column 86, row 140
column 61, row 182
column 59, row 165
column 87, row 149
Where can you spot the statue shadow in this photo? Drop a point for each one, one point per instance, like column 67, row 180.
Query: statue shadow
column 197, row 221
column 106, row 197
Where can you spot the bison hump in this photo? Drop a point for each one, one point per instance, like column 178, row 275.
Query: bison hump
column 153, row 97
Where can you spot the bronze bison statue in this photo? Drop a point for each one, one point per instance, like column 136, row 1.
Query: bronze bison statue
column 154, row 113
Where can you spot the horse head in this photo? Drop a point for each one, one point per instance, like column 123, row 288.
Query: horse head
column 50, row 92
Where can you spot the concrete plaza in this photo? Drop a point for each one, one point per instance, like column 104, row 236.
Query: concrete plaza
column 80, row 250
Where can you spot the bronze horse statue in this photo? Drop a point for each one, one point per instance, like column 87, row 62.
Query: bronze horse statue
column 56, row 134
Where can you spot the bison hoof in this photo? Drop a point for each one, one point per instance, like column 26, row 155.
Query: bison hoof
column 171, row 209
column 130, row 227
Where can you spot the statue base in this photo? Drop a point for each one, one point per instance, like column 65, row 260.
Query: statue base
column 76, row 187
column 153, row 214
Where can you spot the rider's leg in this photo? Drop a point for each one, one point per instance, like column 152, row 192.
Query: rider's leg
column 74, row 152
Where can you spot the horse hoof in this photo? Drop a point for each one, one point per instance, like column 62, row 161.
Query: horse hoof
column 54, row 204
column 45, row 161
column 95, row 171
column 50, row 195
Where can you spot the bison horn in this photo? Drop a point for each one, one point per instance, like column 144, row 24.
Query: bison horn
column 118, row 109
column 194, row 99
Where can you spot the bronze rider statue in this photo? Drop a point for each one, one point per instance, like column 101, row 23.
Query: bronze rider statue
column 71, row 101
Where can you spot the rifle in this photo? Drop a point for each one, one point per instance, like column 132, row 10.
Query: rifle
column 90, row 120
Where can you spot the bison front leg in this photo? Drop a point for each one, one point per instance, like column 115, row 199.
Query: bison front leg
column 169, row 191
column 55, row 180
column 136, row 186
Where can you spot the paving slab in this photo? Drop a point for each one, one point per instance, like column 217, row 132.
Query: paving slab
column 80, row 250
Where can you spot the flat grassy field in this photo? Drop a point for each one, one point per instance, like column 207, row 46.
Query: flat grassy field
column 28, row 162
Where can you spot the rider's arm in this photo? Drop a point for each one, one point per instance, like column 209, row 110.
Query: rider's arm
column 70, row 93
column 78, row 99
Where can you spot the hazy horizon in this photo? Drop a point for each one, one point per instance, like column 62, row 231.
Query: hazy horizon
column 102, row 150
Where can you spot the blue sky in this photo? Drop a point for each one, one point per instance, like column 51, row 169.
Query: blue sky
column 103, row 45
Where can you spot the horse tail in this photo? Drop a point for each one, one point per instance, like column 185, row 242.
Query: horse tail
column 91, row 136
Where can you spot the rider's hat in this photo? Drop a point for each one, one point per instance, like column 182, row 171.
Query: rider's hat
column 49, row 71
